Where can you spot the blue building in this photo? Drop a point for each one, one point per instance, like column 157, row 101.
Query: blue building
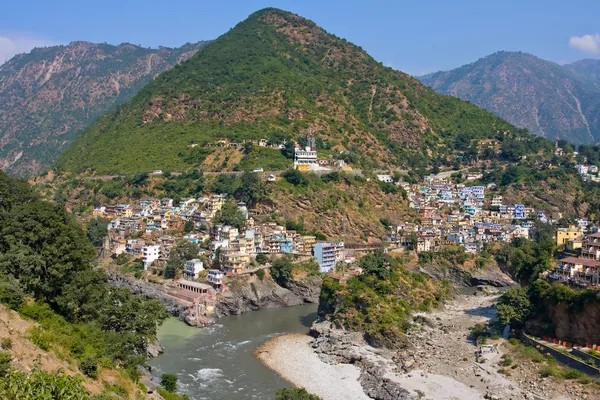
column 286, row 246
column 519, row 212
column 327, row 254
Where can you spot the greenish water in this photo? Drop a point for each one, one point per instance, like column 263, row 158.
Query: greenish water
column 217, row 362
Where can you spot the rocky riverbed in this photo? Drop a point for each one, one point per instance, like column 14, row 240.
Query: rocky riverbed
column 438, row 362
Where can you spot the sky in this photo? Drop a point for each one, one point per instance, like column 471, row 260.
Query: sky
column 416, row 37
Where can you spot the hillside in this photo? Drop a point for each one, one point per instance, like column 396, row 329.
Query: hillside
column 276, row 73
column 549, row 100
column 49, row 96
column 587, row 69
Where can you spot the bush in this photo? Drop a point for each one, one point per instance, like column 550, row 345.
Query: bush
column 89, row 367
column 169, row 382
column 295, row 394
column 6, row 343
column 5, row 359
column 295, row 177
column 572, row 374
column 262, row 259
column 42, row 385
column 260, row 274
column 11, row 293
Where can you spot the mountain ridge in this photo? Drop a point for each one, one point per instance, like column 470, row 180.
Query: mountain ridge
column 276, row 72
column 50, row 95
column 548, row 99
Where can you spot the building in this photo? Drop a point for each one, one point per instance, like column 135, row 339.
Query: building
column 328, row 254
column 564, row 235
column 519, row 212
column 192, row 268
column 385, row 178
column 215, row 277
column 305, row 159
column 150, row 254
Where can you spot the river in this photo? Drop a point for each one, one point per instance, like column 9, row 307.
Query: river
column 217, row 362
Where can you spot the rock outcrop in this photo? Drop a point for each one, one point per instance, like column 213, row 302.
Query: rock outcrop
column 340, row 346
column 578, row 327
column 149, row 290
column 309, row 288
column 248, row 292
column 490, row 276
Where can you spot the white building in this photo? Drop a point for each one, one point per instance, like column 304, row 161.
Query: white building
column 192, row 268
column 306, row 158
column 150, row 254
column 385, row 178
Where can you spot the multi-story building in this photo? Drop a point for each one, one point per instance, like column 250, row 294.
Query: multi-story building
column 150, row 254
column 328, row 254
column 564, row 235
column 192, row 268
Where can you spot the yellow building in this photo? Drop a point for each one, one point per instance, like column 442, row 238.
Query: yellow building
column 564, row 235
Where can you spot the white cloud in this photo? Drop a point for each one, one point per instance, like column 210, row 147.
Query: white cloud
column 587, row 43
column 12, row 44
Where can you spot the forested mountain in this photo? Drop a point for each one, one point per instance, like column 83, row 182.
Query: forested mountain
column 544, row 97
column 278, row 73
column 49, row 96
column 587, row 69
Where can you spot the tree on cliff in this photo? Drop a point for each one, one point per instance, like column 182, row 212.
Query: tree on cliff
column 514, row 307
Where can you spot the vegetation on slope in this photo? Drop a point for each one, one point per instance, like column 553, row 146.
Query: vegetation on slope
column 548, row 99
column 49, row 96
column 47, row 274
column 379, row 302
column 276, row 73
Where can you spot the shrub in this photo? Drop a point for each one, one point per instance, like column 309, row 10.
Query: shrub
column 89, row 367
column 169, row 382
column 260, row 274
column 262, row 259
column 572, row 374
column 5, row 359
column 295, row 394
column 6, row 343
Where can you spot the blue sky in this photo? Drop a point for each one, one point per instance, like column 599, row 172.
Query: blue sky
column 413, row 36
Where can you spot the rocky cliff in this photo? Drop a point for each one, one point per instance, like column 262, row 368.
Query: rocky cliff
column 561, row 321
column 151, row 291
column 248, row 292
column 459, row 277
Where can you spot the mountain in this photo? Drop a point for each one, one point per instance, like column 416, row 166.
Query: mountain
column 586, row 69
column 549, row 100
column 49, row 96
column 277, row 73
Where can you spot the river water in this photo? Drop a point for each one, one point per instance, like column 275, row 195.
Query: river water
column 217, row 362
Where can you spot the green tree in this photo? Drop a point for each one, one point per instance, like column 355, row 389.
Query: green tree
column 261, row 258
column 377, row 264
column 514, row 307
column 295, row 394
column 169, row 382
column 289, row 150
column 281, row 270
column 189, row 226
column 295, row 177
column 96, row 231
column 230, row 214
column 251, row 188
column 89, row 366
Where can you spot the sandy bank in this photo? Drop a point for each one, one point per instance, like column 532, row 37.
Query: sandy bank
column 292, row 357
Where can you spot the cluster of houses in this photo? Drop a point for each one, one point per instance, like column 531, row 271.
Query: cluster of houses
column 150, row 229
column 457, row 214
column 588, row 172
column 582, row 268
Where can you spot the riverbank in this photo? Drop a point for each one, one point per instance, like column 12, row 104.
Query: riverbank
column 439, row 362
column 293, row 358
